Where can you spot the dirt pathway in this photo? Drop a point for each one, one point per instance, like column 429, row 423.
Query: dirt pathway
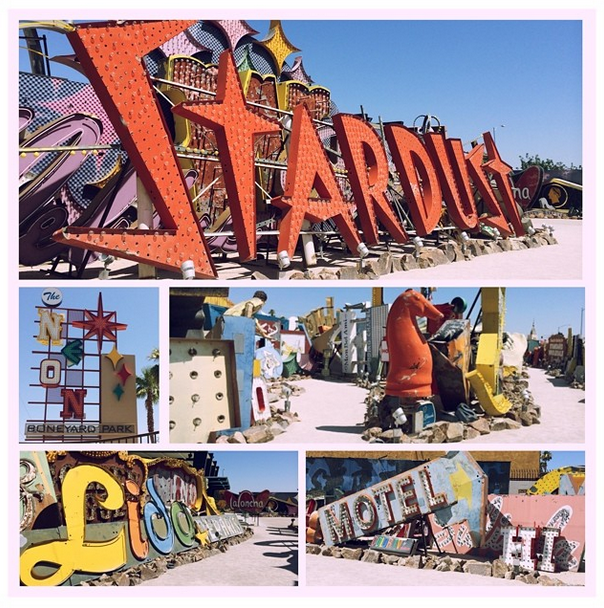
column 333, row 412
column 329, row 412
column 269, row 558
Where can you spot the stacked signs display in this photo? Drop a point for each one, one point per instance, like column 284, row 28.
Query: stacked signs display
column 86, row 388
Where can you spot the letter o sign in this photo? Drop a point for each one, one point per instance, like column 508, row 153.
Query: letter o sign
column 50, row 373
column 365, row 513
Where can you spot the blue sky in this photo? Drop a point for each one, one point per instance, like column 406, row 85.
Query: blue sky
column 136, row 307
column 473, row 75
column 552, row 308
column 256, row 471
column 521, row 79
column 566, row 459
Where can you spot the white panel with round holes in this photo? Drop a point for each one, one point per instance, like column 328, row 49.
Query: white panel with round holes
column 203, row 395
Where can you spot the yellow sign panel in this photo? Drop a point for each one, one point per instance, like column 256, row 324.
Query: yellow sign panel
column 118, row 397
column 76, row 553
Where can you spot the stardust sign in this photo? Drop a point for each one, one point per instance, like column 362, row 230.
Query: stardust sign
column 431, row 169
column 441, row 484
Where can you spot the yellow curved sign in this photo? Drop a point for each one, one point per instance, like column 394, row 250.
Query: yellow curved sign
column 76, row 553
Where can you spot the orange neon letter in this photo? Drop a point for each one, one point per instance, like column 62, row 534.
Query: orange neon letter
column 450, row 163
column 367, row 165
column 501, row 172
column 482, row 182
column 112, row 57
column 418, row 177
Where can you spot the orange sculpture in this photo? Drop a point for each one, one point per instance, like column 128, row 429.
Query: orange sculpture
column 410, row 368
column 314, row 534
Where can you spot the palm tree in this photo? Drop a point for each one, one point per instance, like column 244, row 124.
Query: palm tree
column 147, row 387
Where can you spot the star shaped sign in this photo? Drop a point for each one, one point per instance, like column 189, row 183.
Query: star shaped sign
column 277, row 44
column 235, row 126
column 100, row 325
column 124, row 374
column 114, row 356
column 112, row 56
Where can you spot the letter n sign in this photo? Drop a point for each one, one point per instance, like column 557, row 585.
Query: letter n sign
column 73, row 403
column 51, row 324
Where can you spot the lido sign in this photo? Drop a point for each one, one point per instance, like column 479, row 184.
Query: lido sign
column 432, row 169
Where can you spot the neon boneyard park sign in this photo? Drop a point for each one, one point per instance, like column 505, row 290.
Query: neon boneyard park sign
column 85, row 390
column 454, row 485
column 216, row 136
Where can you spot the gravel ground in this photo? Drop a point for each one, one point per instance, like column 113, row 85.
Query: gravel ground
column 329, row 571
column 561, row 262
column 562, row 414
column 332, row 412
column 269, row 558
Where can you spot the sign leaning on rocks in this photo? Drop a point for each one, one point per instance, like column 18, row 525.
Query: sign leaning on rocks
column 511, row 536
column 454, row 484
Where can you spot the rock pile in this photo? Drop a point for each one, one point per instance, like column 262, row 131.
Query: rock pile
column 428, row 256
column 262, row 432
column 524, row 412
column 154, row 568
column 442, row 563
column 279, row 420
column 550, row 214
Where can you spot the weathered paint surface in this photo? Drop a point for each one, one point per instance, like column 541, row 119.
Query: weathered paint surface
column 333, row 477
column 565, row 480
column 203, row 390
column 77, row 552
column 528, row 516
column 453, row 538
column 485, row 378
column 36, row 490
column 119, row 511
column 410, row 369
column 452, row 487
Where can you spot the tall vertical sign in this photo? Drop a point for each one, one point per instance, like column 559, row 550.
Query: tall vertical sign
column 376, row 330
column 348, row 337
column 85, row 388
